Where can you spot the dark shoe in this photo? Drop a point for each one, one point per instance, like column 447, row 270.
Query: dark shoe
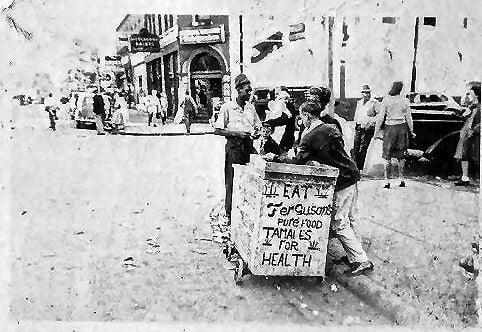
column 100, row 133
column 343, row 260
column 462, row 183
column 359, row 268
column 387, row 186
column 402, row 184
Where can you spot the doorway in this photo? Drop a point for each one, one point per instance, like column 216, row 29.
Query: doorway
column 206, row 83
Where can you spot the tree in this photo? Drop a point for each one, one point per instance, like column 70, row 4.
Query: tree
column 12, row 23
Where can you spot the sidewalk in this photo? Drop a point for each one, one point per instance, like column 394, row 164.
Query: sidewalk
column 415, row 236
column 137, row 126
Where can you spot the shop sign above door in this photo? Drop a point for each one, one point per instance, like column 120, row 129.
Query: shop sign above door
column 202, row 36
column 145, row 42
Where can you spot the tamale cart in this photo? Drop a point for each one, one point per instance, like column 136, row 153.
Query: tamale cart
column 281, row 218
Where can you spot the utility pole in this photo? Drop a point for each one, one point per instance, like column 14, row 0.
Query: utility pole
column 241, row 60
column 414, row 63
column 331, row 22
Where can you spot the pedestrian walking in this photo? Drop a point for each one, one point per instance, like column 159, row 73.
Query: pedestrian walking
column 164, row 105
column 468, row 147
column 51, row 107
column 141, row 105
column 323, row 143
column 121, row 114
column 189, row 108
column 239, row 123
column 99, row 112
column 365, row 119
column 396, row 117
column 152, row 106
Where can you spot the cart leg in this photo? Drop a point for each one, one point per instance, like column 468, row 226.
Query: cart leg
column 238, row 270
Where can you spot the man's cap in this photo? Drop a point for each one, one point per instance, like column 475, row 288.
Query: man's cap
column 366, row 88
column 240, row 80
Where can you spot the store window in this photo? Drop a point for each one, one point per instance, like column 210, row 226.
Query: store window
column 154, row 24
column 140, row 82
column 171, row 21
column 146, row 21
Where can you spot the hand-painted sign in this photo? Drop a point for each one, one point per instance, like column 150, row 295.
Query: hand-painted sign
column 267, row 46
column 281, row 220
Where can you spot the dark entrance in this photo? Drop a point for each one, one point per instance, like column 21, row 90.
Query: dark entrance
column 206, row 83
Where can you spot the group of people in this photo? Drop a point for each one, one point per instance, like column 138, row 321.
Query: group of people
column 392, row 116
column 154, row 105
column 321, row 142
column 110, row 107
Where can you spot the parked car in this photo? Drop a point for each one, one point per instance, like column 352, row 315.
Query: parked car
column 434, row 115
column 437, row 121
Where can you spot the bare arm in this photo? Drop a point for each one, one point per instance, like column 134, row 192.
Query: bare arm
column 408, row 117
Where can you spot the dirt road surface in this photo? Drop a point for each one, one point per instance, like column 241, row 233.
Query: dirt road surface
column 115, row 228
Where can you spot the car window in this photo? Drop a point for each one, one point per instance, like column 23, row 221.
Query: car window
column 444, row 98
column 88, row 104
column 434, row 99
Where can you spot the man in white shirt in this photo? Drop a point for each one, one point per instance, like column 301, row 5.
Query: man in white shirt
column 153, row 107
column 239, row 123
column 365, row 118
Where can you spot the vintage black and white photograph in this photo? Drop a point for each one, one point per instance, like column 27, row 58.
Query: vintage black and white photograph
column 254, row 165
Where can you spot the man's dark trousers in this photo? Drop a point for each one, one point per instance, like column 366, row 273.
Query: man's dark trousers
column 237, row 151
column 363, row 137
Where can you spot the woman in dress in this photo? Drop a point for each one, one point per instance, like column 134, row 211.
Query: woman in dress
column 396, row 117
column 468, row 148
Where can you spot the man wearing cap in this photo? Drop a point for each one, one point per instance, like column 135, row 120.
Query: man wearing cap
column 322, row 143
column 365, row 118
column 239, row 123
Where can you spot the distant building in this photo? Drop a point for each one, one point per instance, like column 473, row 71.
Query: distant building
column 193, row 54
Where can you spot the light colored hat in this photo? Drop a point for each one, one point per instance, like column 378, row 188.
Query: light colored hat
column 366, row 88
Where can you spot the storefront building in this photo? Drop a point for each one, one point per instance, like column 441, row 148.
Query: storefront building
column 193, row 56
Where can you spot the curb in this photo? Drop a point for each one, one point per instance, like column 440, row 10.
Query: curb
column 164, row 134
column 388, row 304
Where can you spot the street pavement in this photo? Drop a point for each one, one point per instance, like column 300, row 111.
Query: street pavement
column 115, row 228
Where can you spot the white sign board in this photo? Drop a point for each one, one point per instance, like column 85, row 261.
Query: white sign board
column 202, row 36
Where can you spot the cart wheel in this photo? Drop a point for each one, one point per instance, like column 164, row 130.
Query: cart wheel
column 238, row 270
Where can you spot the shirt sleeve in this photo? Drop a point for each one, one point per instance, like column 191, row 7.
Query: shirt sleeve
column 303, row 152
column 222, row 120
